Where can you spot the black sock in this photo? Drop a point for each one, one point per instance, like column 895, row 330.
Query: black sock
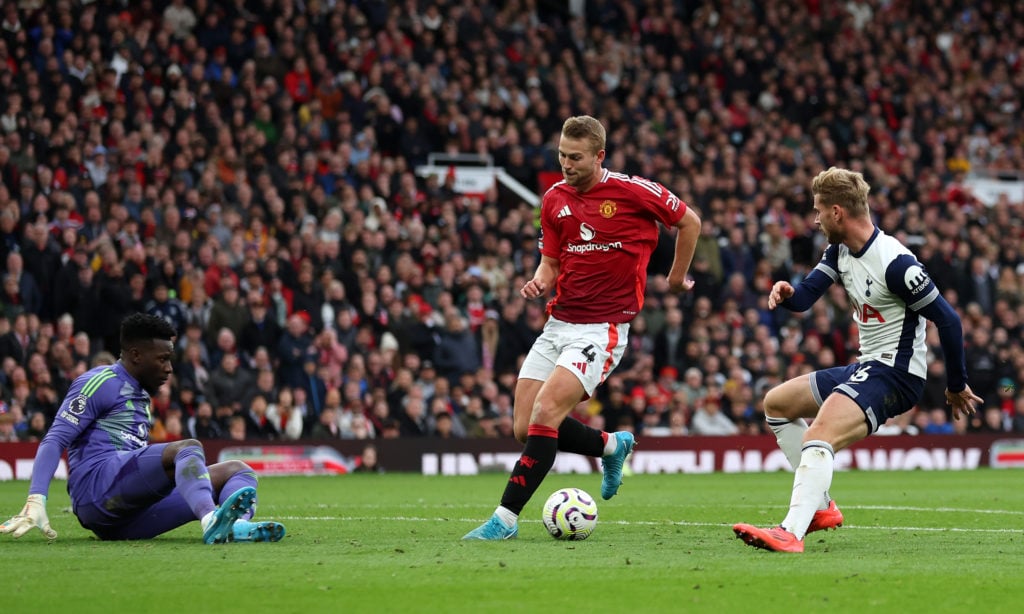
column 578, row 438
column 531, row 468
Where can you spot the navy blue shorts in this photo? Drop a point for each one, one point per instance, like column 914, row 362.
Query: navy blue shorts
column 881, row 391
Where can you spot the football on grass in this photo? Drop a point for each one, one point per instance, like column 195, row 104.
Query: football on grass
column 571, row 514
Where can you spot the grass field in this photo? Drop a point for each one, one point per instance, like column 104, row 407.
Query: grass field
column 913, row 542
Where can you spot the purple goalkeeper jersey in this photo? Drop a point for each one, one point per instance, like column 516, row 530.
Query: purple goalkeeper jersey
column 105, row 413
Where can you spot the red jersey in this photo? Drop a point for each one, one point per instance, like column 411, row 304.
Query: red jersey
column 603, row 240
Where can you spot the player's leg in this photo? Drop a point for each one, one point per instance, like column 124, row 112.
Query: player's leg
column 573, row 435
column 230, row 477
column 840, row 422
column 592, row 352
column 861, row 402
column 555, row 399
column 192, row 480
column 522, row 407
column 127, row 486
column 785, row 407
column 165, row 515
column 185, row 460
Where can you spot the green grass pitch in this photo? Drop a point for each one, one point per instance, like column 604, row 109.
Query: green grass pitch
column 913, row 542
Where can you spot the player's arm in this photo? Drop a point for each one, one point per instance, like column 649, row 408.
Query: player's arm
column 72, row 418
column 810, row 288
column 543, row 278
column 907, row 278
column 686, row 245
column 549, row 245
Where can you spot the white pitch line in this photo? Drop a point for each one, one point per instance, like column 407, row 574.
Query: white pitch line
column 472, row 506
column 680, row 523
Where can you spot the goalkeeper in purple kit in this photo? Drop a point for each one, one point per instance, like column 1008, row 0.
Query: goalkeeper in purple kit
column 121, row 487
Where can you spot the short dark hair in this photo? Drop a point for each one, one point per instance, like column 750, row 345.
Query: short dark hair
column 145, row 327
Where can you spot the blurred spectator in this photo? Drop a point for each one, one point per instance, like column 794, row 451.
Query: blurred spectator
column 285, row 415
column 202, row 425
column 1018, row 415
column 457, row 351
column 708, row 419
column 229, row 385
column 7, row 428
column 294, row 348
column 16, row 342
column 167, row 306
column 228, row 311
column 260, row 330
column 258, row 423
column 368, row 461
column 933, row 422
column 237, row 428
column 327, row 425
column 37, row 425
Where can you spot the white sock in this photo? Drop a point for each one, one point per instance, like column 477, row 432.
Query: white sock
column 810, row 486
column 507, row 516
column 611, row 445
column 790, row 436
column 205, row 520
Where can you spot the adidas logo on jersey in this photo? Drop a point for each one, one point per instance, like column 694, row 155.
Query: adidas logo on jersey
column 565, row 212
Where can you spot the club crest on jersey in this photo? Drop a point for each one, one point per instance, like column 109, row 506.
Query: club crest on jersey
column 608, row 208
column 587, row 232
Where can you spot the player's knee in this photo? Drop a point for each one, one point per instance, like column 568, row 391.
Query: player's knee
column 547, row 412
column 520, row 432
column 237, row 466
column 178, row 446
column 774, row 405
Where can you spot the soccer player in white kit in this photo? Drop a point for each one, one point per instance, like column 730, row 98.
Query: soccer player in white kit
column 598, row 231
column 892, row 296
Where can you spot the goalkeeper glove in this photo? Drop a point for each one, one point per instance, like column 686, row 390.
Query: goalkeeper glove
column 32, row 515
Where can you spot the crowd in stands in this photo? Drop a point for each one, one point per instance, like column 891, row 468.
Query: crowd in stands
column 246, row 169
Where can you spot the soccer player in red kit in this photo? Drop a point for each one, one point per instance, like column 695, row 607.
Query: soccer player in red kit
column 598, row 229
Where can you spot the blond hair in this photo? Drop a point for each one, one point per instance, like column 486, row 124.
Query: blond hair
column 585, row 127
column 842, row 187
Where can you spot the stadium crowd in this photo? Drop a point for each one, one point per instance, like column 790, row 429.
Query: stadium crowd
column 246, row 170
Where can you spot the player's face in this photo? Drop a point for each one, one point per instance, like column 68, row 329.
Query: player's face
column 825, row 218
column 153, row 364
column 580, row 165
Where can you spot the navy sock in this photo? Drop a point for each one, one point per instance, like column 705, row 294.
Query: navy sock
column 537, row 458
column 578, row 438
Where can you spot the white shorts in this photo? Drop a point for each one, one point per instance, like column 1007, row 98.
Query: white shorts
column 589, row 351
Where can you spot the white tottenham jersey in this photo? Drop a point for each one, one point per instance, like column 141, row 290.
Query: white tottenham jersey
column 887, row 286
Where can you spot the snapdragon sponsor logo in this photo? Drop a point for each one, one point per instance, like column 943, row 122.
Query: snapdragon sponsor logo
column 593, row 247
column 131, row 438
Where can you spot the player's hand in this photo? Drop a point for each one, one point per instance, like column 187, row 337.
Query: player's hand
column 963, row 402
column 533, row 289
column 33, row 515
column 679, row 285
column 780, row 292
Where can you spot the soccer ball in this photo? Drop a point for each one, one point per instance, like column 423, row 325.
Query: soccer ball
column 570, row 514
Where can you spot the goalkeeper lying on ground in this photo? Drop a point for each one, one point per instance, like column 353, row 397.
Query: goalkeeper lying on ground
column 122, row 488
